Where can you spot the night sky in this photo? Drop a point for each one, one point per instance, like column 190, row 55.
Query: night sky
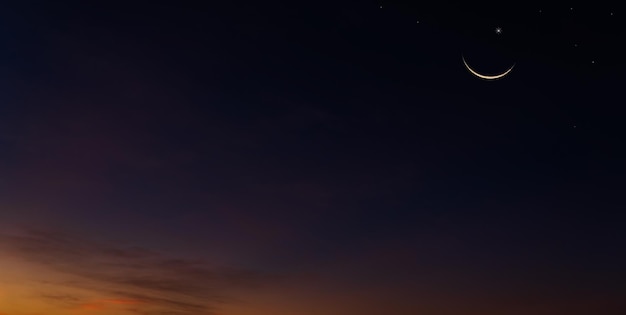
column 312, row 158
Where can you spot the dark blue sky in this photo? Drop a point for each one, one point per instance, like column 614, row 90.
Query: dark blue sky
column 314, row 147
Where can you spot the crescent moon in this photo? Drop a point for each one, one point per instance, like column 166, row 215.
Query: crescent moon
column 486, row 77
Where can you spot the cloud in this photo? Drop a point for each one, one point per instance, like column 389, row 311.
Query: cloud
column 103, row 304
column 136, row 279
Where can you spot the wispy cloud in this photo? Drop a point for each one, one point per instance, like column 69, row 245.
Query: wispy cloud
column 136, row 279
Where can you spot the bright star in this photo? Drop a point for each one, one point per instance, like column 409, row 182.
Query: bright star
column 498, row 30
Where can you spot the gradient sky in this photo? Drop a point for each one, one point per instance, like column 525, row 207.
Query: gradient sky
column 311, row 159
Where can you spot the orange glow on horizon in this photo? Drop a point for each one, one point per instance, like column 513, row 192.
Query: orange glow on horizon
column 99, row 305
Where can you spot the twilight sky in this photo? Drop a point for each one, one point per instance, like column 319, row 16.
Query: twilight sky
column 311, row 158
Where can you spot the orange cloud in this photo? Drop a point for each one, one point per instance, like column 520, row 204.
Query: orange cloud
column 99, row 305
column 119, row 277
